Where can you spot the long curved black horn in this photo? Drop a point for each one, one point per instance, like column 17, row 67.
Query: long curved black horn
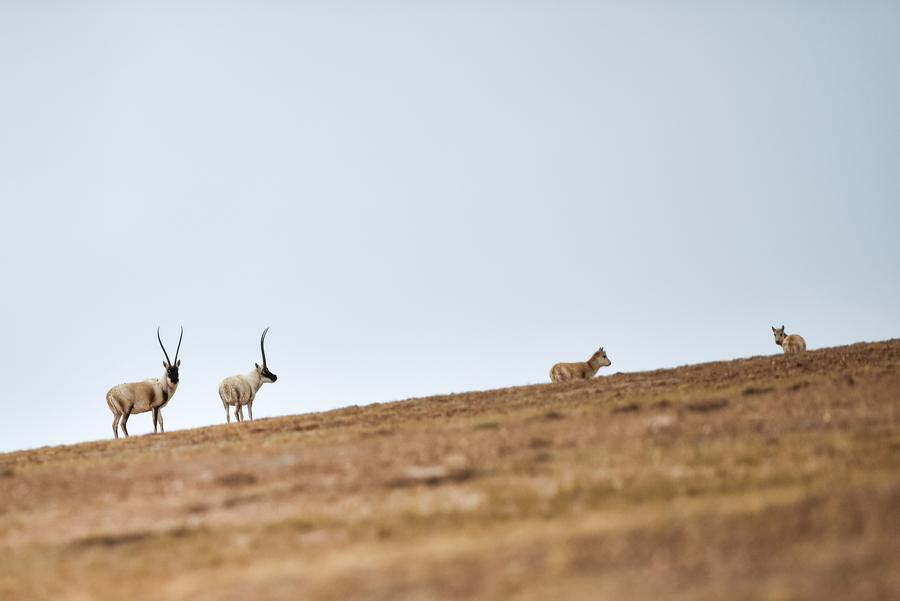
column 179, row 344
column 262, row 345
column 162, row 346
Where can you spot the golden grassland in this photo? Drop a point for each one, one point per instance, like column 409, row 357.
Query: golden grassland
column 773, row 477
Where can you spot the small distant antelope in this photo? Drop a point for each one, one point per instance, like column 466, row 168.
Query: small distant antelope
column 149, row 395
column 241, row 390
column 564, row 372
column 789, row 343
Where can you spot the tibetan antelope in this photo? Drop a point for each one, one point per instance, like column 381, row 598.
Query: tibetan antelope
column 241, row 390
column 149, row 395
column 789, row 343
column 564, row 372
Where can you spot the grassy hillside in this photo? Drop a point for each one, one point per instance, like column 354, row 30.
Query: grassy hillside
column 766, row 478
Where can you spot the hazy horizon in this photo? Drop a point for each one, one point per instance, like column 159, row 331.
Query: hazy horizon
column 425, row 199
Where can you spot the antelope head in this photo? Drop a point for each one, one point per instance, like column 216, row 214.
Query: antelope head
column 263, row 371
column 601, row 358
column 171, row 368
column 779, row 334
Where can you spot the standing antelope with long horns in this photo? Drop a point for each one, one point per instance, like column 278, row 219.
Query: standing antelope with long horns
column 150, row 395
column 241, row 390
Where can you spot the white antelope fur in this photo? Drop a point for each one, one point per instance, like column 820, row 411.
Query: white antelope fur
column 140, row 397
column 789, row 343
column 149, row 395
column 237, row 391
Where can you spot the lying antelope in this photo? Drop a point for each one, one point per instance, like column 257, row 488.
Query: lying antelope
column 564, row 372
column 789, row 343
column 149, row 395
column 241, row 390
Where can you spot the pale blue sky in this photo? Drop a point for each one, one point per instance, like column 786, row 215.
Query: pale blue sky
column 424, row 198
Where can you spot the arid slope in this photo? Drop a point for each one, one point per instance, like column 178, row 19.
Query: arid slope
column 766, row 478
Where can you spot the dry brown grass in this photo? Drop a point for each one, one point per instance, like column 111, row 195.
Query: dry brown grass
column 767, row 478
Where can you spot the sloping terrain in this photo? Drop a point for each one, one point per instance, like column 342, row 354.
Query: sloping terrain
column 766, row 478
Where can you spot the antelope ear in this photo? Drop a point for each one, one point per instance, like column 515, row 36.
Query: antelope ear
column 773, row 328
column 178, row 363
column 782, row 327
column 257, row 366
column 166, row 364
